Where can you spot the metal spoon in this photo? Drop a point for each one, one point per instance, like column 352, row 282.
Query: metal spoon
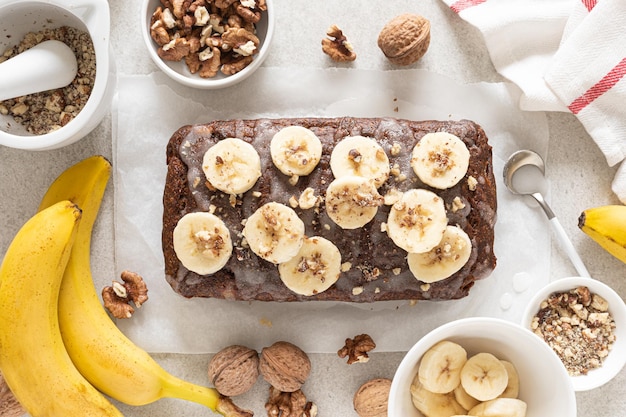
column 524, row 158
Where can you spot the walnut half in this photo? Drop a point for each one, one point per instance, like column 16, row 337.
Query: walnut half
column 356, row 349
column 118, row 296
column 337, row 47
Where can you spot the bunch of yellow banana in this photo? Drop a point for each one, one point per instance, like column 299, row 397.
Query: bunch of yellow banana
column 59, row 349
column 607, row 226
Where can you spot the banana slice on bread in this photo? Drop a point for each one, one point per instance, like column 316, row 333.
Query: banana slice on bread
column 295, row 150
column 314, row 269
column 274, row 232
column 352, row 201
column 448, row 257
column 417, row 222
column 232, row 166
column 360, row 156
column 202, row 242
column 440, row 159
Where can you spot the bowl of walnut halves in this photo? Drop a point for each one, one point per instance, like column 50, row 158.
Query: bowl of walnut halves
column 584, row 321
column 208, row 44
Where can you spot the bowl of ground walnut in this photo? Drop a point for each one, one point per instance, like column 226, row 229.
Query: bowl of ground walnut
column 208, row 44
column 56, row 118
column 481, row 366
column 584, row 321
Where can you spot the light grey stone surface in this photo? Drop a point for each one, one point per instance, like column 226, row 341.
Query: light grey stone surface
column 576, row 169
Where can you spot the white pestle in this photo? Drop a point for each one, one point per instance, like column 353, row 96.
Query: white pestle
column 46, row 66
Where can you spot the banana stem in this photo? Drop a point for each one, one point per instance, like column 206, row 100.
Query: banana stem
column 178, row 388
column 209, row 397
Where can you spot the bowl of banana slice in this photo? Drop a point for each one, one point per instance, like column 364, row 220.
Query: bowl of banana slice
column 481, row 366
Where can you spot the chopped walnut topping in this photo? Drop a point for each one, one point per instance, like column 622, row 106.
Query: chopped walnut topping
column 457, row 204
column 576, row 324
column 346, row 266
column 396, row 148
column 472, row 183
column 356, row 349
column 357, row 290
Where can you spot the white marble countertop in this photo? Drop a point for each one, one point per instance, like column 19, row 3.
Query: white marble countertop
column 576, row 169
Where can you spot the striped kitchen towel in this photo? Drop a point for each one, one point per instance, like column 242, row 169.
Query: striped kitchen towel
column 565, row 55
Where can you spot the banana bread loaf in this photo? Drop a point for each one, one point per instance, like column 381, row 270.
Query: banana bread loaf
column 346, row 209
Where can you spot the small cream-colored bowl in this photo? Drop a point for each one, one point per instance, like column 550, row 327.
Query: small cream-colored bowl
column 178, row 70
column 616, row 358
column 19, row 17
column 544, row 384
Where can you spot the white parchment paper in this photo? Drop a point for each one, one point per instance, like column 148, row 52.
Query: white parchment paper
column 150, row 108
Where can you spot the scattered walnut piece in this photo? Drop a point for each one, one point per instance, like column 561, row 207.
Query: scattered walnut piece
column 118, row 296
column 284, row 366
column 405, row 39
column 372, row 397
column 577, row 325
column 9, row 406
column 289, row 404
column 234, row 370
column 356, row 349
column 337, row 47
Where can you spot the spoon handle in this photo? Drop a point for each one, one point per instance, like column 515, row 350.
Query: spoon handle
column 567, row 245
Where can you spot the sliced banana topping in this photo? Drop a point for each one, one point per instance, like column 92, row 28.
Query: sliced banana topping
column 416, row 222
column 433, row 404
column 232, row 166
column 512, row 388
column 274, row 232
column 352, row 201
column 361, row 156
column 484, row 377
column 500, row 407
column 449, row 256
column 314, row 269
column 296, row 150
column 202, row 242
column 440, row 159
column 440, row 368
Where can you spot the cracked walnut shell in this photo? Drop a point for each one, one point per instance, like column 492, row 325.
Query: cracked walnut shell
column 284, row 366
column 234, row 370
column 405, row 39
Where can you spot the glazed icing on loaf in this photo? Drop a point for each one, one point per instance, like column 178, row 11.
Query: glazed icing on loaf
column 374, row 268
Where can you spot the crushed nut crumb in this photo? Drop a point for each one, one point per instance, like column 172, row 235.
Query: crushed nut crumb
column 47, row 111
column 576, row 324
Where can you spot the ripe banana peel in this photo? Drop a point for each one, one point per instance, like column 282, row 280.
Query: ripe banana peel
column 607, row 226
column 33, row 359
column 102, row 353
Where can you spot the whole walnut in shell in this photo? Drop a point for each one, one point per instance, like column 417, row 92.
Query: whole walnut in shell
column 372, row 397
column 285, row 366
column 405, row 39
column 234, row 370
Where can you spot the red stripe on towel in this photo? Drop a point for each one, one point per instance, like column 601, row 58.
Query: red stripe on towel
column 601, row 87
column 461, row 5
column 590, row 4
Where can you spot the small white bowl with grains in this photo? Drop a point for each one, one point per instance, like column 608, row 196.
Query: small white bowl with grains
column 584, row 321
column 208, row 44
column 56, row 118
column 481, row 366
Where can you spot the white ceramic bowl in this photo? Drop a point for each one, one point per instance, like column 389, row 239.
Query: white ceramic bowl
column 17, row 18
column 179, row 72
column 544, row 384
column 616, row 359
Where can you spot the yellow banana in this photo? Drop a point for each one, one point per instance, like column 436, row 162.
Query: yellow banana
column 33, row 359
column 607, row 226
column 102, row 353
